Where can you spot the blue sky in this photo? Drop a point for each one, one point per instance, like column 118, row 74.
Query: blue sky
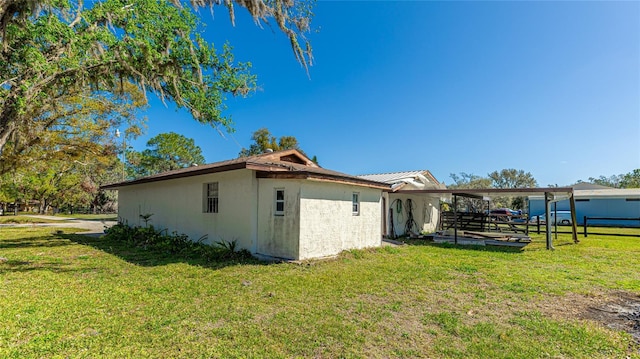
column 552, row 88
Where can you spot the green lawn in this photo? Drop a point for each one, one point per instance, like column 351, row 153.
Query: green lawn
column 65, row 295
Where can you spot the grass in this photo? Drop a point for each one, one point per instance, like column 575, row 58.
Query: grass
column 110, row 216
column 66, row 295
column 20, row 219
column 25, row 219
column 592, row 230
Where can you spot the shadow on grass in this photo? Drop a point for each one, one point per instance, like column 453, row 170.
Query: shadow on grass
column 149, row 257
column 425, row 242
column 32, row 266
column 33, row 242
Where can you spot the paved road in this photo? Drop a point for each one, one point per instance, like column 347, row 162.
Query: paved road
column 93, row 227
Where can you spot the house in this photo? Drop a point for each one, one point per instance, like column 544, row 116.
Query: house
column 405, row 211
column 594, row 200
column 277, row 204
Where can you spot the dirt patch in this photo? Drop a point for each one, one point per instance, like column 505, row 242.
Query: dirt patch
column 617, row 310
column 620, row 312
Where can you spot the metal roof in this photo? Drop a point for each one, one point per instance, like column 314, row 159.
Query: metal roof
column 589, row 185
column 558, row 192
column 395, row 177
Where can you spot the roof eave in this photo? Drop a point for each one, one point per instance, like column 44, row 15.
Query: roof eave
column 322, row 178
column 203, row 171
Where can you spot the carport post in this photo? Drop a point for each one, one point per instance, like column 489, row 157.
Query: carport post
column 547, row 209
column 455, row 219
column 488, row 217
column 574, row 223
column 555, row 218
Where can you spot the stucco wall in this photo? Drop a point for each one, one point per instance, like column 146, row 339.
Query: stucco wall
column 177, row 206
column 327, row 223
column 425, row 210
column 317, row 220
column 278, row 235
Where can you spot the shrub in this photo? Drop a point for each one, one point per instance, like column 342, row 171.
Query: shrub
column 150, row 238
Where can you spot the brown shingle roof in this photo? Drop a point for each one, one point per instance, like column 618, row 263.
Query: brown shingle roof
column 280, row 164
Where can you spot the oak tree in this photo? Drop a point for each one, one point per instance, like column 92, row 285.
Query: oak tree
column 263, row 140
column 53, row 51
column 469, row 181
column 166, row 152
column 625, row 180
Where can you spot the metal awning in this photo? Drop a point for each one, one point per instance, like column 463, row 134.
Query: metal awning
column 489, row 192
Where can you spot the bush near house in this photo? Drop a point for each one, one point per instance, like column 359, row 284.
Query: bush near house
column 66, row 295
column 173, row 243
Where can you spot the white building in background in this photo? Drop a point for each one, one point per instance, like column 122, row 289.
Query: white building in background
column 277, row 204
column 405, row 211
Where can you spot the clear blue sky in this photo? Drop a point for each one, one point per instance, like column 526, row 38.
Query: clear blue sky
column 552, row 88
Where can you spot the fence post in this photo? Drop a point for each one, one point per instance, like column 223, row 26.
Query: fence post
column 585, row 226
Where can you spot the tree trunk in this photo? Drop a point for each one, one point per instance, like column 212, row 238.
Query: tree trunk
column 8, row 119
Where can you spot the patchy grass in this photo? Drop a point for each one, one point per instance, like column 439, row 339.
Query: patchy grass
column 65, row 295
column 24, row 220
column 97, row 217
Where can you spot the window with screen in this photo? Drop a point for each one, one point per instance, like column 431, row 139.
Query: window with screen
column 355, row 204
column 279, row 209
column 210, row 198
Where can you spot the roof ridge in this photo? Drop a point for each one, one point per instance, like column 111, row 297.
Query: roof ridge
column 390, row 173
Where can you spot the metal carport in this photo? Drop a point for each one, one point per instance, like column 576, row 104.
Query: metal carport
column 551, row 194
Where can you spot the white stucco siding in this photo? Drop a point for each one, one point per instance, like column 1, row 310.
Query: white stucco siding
column 425, row 211
column 327, row 223
column 278, row 234
column 177, row 205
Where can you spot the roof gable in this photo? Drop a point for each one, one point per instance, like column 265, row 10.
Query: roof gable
column 589, row 186
column 286, row 164
column 290, row 155
column 420, row 179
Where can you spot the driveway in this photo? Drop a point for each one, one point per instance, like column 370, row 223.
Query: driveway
column 93, row 228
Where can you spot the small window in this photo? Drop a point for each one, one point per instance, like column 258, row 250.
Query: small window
column 210, row 198
column 582, row 200
column 279, row 202
column 632, row 199
column 355, row 203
